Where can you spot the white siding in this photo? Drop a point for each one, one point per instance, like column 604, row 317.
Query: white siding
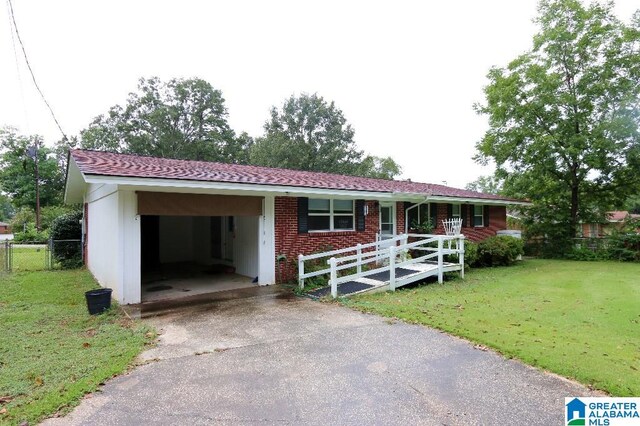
column 102, row 240
column 114, row 241
column 129, row 223
column 245, row 246
column 267, row 242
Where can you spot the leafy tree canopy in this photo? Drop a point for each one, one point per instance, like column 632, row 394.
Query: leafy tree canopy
column 6, row 208
column 564, row 117
column 309, row 133
column 17, row 170
column 486, row 185
column 181, row 118
column 633, row 204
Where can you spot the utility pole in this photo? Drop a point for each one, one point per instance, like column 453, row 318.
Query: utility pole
column 33, row 153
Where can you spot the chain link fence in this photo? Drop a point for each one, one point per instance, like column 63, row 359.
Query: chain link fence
column 56, row 254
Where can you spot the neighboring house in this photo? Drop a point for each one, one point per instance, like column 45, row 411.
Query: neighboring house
column 614, row 221
column 144, row 211
column 5, row 228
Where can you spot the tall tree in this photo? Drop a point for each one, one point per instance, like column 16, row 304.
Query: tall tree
column 486, row 184
column 17, row 170
column 181, row 118
column 564, row 117
column 309, row 133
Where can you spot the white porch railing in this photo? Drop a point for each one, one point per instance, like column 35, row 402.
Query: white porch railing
column 387, row 254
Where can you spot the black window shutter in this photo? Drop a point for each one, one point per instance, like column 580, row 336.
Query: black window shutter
column 485, row 211
column 303, row 215
column 463, row 214
column 360, row 223
column 449, row 211
column 433, row 211
column 472, row 216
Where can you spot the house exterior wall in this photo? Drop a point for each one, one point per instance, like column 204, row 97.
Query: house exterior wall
column 497, row 222
column 102, row 233
column 290, row 244
column 246, row 251
column 129, row 277
column 113, row 241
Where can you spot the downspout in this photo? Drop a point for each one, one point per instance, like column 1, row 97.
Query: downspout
column 406, row 214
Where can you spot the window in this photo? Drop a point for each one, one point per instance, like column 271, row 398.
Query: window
column 418, row 215
column 455, row 211
column 331, row 215
column 478, row 215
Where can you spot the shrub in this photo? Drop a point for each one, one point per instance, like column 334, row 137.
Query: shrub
column 624, row 247
column 31, row 235
column 501, row 250
column 67, row 227
column 585, row 253
column 424, row 227
column 470, row 253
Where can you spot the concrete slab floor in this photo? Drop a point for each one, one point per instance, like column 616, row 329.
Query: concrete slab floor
column 270, row 357
column 186, row 279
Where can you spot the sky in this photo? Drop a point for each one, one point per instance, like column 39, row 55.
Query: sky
column 405, row 73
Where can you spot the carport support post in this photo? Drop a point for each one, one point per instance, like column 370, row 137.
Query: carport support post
column 334, row 278
column 359, row 258
column 392, row 268
column 440, row 259
column 300, row 271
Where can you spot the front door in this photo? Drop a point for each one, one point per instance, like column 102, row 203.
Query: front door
column 387, row 220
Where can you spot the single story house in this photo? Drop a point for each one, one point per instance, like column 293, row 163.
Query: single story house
column 144, row 213
column 614, row 220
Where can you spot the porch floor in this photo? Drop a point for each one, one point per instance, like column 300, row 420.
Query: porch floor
column 179, row 280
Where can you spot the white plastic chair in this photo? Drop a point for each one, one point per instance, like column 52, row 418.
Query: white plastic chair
column 452, row 227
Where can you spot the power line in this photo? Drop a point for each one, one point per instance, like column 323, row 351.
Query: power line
column 20, row 84
column 33, row 77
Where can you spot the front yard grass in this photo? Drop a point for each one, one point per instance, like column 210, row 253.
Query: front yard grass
column 577, row 319
column 52, row 351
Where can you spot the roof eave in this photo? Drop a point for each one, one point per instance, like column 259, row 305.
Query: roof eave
column 478, row 200
column 165, row 185
column 74, row 183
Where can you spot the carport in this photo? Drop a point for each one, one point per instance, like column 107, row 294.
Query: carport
column 197, row 243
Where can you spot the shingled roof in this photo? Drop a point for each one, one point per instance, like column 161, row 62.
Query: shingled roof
column 101, row 163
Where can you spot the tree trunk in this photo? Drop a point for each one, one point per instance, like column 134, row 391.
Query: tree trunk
column 573, row 216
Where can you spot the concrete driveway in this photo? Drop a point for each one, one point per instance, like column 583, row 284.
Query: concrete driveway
column 270, row 358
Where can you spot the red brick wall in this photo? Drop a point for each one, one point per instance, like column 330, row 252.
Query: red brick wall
column 400, row 216
column 497, row 222
column 291, row 244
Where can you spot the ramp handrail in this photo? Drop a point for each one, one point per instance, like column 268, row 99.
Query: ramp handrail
column 393, row 256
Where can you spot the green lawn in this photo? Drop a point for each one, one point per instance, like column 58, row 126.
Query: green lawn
column 29, row 258
column 52, row 351
column 577, row 319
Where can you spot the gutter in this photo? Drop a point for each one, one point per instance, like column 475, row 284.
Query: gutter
column 406, row 214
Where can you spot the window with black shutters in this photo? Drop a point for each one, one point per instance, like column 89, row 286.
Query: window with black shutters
column 331, row 215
